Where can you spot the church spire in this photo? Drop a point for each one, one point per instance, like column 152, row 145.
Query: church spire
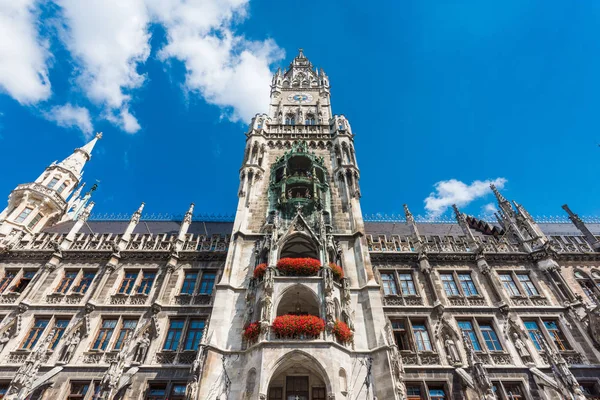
column 76, row 161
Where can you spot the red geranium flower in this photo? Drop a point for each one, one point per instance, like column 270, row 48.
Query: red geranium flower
column 252, row 331
column 299, row 266
column 342, row 332
column 338, row 272
column 298, row 326
column 260, row 270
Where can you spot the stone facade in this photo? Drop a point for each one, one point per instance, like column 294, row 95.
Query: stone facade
column 193, row 309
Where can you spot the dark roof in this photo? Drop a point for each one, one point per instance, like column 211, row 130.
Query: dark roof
column 372, row 228
column 154, row 227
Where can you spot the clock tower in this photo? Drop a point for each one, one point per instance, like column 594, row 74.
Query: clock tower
column 298, row 313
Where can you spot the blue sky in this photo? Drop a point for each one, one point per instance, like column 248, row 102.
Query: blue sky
column 440, row 94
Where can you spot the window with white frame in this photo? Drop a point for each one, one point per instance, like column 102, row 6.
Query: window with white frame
column 465, row 288
column 137, row 282
column 198, row 282
column 388, row 282
column 547, row 329
column 519, row 284
column 23, row 215
column 184, row 334
column 426, row 391
column 114, row 332
column 508, row 390
column 481, row 334
column 411, row 334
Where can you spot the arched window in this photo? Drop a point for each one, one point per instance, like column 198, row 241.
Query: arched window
column 290, row 119
column 310, row 119
column 587, row 285
column 343, row 381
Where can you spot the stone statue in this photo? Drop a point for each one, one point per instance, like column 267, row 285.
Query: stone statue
column 269, row 279
column 330, row 307
column 71, row 347
column 266, row 308
column 451, row 351
column 142, row 348
column 348, row 315
column 521, row 347
column 328, row 278
column 4, row 339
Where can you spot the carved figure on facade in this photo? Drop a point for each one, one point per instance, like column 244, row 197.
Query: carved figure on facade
column 452, row 351
column 142, row 348
column 71, row 346
column 26, row 374
column 328, row 279
column 480, row 375
column 520, row 346
column 330, row 310
column 267, row 303
column 269, row 279
column 348, row 315
column 561, row 371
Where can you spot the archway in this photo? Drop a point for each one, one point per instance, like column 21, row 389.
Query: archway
column 299, row 246
column 298, row 300
column 298, row 376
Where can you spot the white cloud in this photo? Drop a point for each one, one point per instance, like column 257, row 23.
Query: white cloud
column 69, row 116
column 456, row 192
column 227, row 70
column 23, row 54
column 108, row 39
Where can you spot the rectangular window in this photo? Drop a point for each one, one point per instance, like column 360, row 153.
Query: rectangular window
column 104, row 334
column 422, row 338
column 276, row 393
column 60, row 325
column 61, row 188
column 194, row 334
column 449, row 285
column 147, row 281
column 389, row 284
column 513, row 391
column 85, row 282
column 39, row 325
column 407, row 285
column 128, row 282
column 127, row 328
column 3, row 389
column 413, row 392
column 509, row 285
column 80, row 390
column 534, row 333
column 24, row 214
column 6, row 280
column 66, row 282
column 400, row 334
column 174, row 335
column 156, row 392
column 318, row 394
column 556, row 335
column 467, row 328
column 189, row 283
column 207, row 283
column 467, row 284
column 53, row 182
column 437, row 393
column 178, row 391
column 23, row 282
column 490, row 337
column 34, row 221
column 529, row 287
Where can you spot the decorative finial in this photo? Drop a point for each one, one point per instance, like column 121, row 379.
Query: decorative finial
column 300, row 52
column 456, row 211
column 408, row 214
column 498, row 195
column 99, row 135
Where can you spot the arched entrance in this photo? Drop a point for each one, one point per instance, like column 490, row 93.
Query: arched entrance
column 298, row 376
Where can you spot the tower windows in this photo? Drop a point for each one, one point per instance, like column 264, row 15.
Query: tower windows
column 509, row 285
column 104, row 334
column 66, row 282
column 53, row 182
column 36, row 331
column 190, row 282
column 449, row 285
column 34, row 221
column 589, row 285
column 24, row 214
column 539, row 329
column 388, row 282
column 467, row 286
column 422, row 337
column 310, row 119
column 478, row 332
column 127, row 328
column 62, row 187
column 290, row 119
column 194, row 329
column 524, row 288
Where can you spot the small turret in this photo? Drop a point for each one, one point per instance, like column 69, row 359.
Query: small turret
column 36, row 205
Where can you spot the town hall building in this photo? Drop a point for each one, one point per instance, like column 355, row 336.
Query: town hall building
column 299, row 297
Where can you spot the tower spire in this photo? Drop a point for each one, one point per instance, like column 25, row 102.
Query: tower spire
column 76, row 161
column 587, row 233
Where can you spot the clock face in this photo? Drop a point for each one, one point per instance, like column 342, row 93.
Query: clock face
column 300, row 97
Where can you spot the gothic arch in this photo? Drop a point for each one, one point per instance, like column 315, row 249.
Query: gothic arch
column 299, row 245
column 298, row 294
column 302, row 359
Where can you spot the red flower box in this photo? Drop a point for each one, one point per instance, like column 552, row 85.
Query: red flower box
column 299, row 266
column 252, row 331
column 298, row 326
column 342, row 332
column 260, row 270
column 338, row 272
